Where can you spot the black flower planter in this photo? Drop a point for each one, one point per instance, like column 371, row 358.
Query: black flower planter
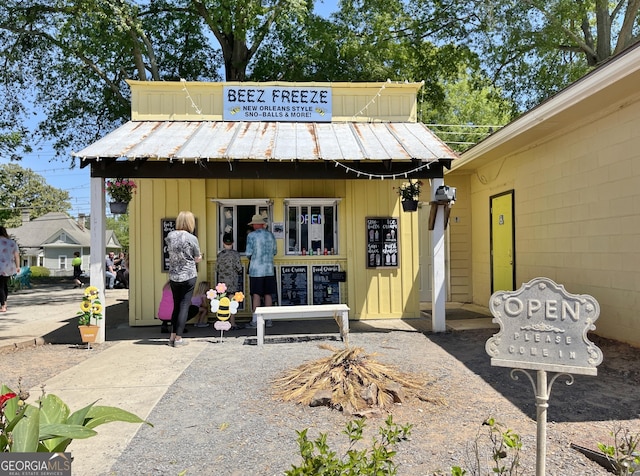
column 118, row 208
column 409, row 205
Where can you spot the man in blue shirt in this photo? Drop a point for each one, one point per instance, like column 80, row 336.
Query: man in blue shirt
column 261, row 248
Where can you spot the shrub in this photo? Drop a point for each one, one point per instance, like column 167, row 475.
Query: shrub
column 320, row 460
column 40, row 272
column 625, row 451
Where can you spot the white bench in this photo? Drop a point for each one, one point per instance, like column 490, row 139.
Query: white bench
column 339, row 312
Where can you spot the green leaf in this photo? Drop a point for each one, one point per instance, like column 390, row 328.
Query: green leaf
column 56, row 430
column 99, row 415
column 25, row 433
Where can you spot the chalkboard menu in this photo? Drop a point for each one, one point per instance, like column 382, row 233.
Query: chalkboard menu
column 293, row 285
column 168, row 225
column 382, row 242
column 325, row 290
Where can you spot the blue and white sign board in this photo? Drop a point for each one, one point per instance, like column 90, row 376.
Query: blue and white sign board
column 277, row 103
column 543, row 327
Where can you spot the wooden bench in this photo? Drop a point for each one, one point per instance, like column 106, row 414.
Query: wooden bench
column 339, row 312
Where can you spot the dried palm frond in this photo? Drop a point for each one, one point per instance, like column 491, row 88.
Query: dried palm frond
column 355, row 380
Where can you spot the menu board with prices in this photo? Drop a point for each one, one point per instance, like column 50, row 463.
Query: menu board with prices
column 325, row 289
column 293, row 285
column 382, row 242
column 168, row 225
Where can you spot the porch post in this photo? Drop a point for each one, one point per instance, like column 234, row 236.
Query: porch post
column 98, row 246
column 438, row 288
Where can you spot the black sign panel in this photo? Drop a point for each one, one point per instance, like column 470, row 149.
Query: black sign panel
column 382, row 242
column 168, row 225
column 325, row 290
column 293, row 285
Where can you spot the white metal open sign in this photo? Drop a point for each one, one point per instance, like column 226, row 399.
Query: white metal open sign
column 277, row 103
column 543, row 327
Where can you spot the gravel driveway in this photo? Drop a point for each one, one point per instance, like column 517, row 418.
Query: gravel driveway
column 219, row 418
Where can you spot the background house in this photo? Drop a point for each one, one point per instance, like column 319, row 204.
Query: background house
column 50, row 241
column 556, row 193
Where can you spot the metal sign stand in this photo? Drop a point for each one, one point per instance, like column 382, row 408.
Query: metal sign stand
column 544, row 328
column 542, row 391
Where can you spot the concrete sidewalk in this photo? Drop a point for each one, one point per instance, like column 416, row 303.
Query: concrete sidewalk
column 133, row 374
column 136, row 370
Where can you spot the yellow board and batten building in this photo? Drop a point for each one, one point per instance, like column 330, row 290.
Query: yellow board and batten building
column 556, row 194
column 324, row 175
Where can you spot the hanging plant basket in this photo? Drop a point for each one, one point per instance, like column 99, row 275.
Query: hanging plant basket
column 118, row 208
column 409, row 205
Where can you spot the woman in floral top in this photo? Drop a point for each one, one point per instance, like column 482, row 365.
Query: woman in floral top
column 184, row 252
column 9, row 265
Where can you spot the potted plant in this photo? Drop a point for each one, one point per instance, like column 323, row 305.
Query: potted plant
column 121, row 192
column 409, row 193
column 89, row 315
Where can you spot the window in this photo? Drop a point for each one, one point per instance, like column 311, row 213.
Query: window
column 62, row 262
column 311, row 226
column 235, row 216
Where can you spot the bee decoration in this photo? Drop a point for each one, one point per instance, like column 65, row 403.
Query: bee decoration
column 222, row 304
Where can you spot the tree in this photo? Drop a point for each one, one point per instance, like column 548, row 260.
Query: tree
column 11, row 143
column 473, row 108
column 368, row 40
column 120, row 226
column 73, row 57
column 534, row 48
column 23, row 189
column 240, row 26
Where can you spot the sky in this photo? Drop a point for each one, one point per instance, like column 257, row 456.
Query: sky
column 57, row 171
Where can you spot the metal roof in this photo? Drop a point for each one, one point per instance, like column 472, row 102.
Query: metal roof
column 303, row 141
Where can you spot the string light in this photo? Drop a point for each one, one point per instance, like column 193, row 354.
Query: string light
column 193, row 104
column 371, row 101
column 349, row 169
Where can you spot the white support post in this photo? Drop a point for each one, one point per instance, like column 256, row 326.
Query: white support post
column 438, row 287
column 98, row 247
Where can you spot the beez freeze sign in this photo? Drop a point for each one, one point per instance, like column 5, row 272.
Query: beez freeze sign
column 543, row 327
column 277, row 103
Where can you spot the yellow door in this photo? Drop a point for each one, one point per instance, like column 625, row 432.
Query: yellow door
column 502, row 243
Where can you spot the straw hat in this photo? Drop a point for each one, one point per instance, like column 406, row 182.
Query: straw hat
column 257, row 220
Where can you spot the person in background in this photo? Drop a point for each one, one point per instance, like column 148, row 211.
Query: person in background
column 184, row 252
column 110, row 270
column 261, row 248
column 117, row 261
column 199, row 304
column 76, row 262
column 9, row 265
column 229, row 269
column 122, row 274
column 165, row 308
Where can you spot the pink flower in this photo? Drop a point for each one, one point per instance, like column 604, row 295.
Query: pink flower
column 221, row 287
